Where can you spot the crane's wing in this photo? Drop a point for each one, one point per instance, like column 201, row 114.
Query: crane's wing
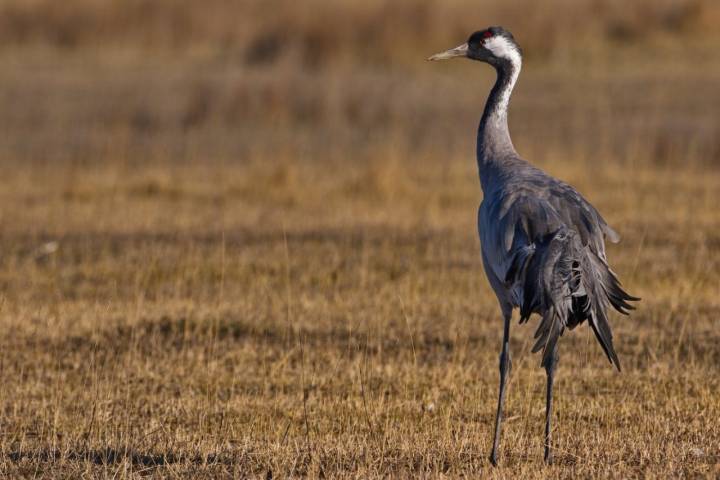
column 530, row 207
column 581, row 216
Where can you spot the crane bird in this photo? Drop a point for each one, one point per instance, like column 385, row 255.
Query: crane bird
column 543, row 246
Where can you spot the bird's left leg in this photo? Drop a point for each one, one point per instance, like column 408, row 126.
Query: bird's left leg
column 550, row 370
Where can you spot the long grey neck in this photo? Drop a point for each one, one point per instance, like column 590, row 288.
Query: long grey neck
column 494, row 146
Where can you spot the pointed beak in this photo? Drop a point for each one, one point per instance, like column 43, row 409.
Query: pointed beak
column 460, row 51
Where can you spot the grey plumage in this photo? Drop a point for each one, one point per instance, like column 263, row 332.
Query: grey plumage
column 545, row 249
column 543, row 244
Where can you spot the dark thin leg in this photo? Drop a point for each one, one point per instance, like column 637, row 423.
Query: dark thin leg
column 505, row 366
column 550, row 369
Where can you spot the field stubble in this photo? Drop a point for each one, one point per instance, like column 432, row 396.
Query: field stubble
column 272, row 271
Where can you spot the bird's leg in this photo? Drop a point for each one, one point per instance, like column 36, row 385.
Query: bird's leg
column 550, row 369
column 505, row 366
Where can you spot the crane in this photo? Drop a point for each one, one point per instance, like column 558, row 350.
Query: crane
column 543, row 244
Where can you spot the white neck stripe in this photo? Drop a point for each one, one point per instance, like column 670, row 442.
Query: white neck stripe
column 502, row 48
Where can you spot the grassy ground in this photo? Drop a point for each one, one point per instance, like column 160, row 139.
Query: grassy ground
column 220, row 257
column 170, row 321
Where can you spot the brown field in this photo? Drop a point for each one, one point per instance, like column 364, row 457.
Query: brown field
column 240, row 241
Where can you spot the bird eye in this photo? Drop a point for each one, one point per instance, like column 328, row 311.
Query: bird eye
column 487, row 34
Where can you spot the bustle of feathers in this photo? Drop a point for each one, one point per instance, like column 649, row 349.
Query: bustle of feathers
column 567, row 284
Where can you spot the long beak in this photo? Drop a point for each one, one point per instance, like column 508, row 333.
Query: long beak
column 460, row 51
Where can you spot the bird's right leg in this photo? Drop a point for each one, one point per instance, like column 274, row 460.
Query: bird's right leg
column 505, row 366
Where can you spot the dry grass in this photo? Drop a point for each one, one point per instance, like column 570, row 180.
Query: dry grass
column 231, row 320
column 218, row 258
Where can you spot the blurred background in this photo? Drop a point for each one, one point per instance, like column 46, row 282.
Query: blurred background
column 249, row 226
column 280, row 92
column 93, row 81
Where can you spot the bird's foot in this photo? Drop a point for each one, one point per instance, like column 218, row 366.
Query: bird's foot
column 493, row 458
column 548, row 456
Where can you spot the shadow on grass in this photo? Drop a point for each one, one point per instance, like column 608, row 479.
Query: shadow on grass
column 109, row 456
column 151, row 335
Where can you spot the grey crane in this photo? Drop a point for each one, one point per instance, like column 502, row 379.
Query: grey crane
column 543, row 244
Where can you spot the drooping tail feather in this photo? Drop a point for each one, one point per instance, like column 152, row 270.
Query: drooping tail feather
column 567, row 284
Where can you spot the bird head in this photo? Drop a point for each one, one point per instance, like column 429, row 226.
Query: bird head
column 494, row 45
